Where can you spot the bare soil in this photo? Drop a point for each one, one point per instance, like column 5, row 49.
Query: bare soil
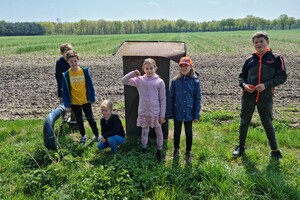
column 28, row 86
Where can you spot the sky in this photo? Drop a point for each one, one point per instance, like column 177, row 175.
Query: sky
column 192, row 10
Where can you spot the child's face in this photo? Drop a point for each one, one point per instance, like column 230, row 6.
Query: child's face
column 260, row 44
column 106, row 112
column 73, row 61
column 184, row 69
column 149, row 70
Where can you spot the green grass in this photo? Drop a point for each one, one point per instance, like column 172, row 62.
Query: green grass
column 213, row 43
column 29, row 171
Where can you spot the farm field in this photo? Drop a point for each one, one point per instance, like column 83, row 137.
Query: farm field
column 28, row 92
column 28, row 87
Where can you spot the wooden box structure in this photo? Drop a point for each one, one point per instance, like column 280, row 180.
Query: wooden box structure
column 134, row 53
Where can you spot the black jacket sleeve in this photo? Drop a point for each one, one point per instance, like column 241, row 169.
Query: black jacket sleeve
column 58, row 76
column 243, row 76
column 280, row 76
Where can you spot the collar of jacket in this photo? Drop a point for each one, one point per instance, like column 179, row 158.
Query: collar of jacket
column 194, row 76
column 269, row 50
column 150, row 78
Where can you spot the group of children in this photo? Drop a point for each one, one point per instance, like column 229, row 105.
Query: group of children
column 261, row 72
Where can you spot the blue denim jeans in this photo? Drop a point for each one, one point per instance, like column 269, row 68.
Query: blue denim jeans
column 111, row 142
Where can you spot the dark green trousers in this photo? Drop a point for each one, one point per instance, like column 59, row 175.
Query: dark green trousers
column 265, row 110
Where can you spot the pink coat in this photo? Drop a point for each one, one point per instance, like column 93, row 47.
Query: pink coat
column 152, row 94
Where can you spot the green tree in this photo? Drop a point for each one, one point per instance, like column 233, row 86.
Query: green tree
column 291, row 21
column 181, row 23
column 283, row 21
column 58, row 27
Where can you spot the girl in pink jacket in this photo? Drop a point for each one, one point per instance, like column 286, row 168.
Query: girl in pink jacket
column 152, row 102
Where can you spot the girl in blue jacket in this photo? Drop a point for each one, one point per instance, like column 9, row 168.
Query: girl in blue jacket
column 184, row 104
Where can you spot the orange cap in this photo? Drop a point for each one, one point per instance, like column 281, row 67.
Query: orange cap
column 185, row 60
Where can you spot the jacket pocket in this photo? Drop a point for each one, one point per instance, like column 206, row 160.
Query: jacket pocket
column 189, row 112
column 177, row 110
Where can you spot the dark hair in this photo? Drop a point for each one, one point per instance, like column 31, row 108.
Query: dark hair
column 259, row 35
column 72, row 54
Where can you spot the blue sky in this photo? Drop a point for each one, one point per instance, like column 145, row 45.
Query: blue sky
column 193, row 10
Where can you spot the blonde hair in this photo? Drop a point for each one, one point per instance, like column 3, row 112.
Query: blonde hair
column 65, row 47
column 191, row 73
column 72, row 54
column 107, row 104
column 149, row 61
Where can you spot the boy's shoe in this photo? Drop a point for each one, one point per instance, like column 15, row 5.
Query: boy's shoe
column 276, row 155
column 82, row 140
column 144, row 150
column 158, row 155
column 176, row 153
column 188, row 157
column 238, row 151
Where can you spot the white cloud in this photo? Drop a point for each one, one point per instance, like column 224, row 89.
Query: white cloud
column 154, row 4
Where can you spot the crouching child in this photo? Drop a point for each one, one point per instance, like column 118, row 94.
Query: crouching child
column 112, row 131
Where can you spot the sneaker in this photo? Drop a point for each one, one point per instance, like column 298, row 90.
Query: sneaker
column 188, row 157
column 276, row 154
column 176, row 153
column 144, row 150
column 82, row 140
column 238, row 151
column 158, row 155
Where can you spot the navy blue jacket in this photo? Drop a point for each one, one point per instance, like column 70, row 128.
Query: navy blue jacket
column 185, row 98
column 61, row 66
column 111, row 127
column 66, row 89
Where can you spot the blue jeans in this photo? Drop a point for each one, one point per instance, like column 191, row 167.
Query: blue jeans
column 111, row 142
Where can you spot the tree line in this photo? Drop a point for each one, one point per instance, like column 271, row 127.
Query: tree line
column 21, row 28
column 101, row 27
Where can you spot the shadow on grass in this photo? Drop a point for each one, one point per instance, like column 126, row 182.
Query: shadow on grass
column 269, row 183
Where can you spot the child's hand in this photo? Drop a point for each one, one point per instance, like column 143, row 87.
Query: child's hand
column 103, row 139
column 196, row 120
column 68, row 110
column 137, row 72
column 162, row 120
column 261, row 87
column 249, row 88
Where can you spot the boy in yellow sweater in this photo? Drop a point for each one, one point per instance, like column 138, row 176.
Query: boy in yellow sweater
column 78, row 94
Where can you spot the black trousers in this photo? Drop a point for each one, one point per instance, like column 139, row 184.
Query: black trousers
column 87, row 109
column 188, row 133
column 265, row 111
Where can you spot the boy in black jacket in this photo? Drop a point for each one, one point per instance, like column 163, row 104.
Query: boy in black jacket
column 261, row 72
column 111, row 128
column 61, row 66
